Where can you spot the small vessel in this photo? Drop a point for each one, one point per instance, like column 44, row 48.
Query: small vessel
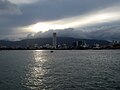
column 51, row 51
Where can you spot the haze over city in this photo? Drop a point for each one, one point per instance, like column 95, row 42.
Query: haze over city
column 91, row 19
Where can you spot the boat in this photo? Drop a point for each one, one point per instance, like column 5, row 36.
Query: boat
column 51, row 51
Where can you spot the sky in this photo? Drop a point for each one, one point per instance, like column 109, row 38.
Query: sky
column 91, row 19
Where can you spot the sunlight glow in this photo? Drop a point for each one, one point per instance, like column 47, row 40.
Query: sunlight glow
column 92, row 18
column 44, row 27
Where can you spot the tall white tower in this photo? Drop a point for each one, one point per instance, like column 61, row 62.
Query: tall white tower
column 54, row 40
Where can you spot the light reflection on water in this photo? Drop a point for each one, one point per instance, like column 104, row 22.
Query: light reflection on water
column 74, row 70
column 36, row 71
column 61, row 70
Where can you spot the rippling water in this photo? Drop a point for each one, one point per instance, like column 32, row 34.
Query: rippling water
column 60, row 70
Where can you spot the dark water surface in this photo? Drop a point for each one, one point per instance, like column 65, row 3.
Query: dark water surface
column 60, row 70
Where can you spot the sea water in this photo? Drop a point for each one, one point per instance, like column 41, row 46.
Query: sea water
column 60, row 70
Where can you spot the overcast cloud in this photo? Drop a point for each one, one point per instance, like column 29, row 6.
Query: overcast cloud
column 87, row 17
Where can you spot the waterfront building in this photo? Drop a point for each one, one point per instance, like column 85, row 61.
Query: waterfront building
column 54, row 40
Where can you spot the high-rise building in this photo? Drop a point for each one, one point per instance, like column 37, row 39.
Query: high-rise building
column 54, row 41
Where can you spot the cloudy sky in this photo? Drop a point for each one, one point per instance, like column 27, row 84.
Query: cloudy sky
column 96, row 19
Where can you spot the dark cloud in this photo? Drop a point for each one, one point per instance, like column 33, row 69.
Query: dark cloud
column 8, row 8
column 102, row 33
column 57, row 9
column 13, row 16
column 107, row 33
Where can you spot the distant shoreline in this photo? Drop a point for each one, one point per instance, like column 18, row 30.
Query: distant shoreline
column 57, row 49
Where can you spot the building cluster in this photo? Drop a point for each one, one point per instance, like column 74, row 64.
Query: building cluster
column 77, row 45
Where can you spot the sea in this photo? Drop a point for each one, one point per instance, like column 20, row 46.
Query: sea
column 60, row 70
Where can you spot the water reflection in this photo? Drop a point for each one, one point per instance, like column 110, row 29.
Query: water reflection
column 36, row 71
column 61, row 70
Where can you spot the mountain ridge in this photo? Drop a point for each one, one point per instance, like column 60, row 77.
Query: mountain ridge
column 43, row 41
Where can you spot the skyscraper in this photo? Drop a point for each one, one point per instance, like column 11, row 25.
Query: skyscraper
column 54, row 40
